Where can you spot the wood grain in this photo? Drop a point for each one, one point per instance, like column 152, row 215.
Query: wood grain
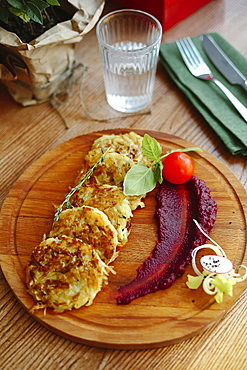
column 156, row 320
column 27, row 133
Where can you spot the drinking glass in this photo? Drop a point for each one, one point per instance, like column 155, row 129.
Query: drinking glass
column 129, row 42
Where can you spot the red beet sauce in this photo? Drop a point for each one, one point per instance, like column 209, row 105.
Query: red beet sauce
column 177, row 206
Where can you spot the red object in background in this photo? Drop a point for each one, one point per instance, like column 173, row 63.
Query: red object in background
column 168, row 12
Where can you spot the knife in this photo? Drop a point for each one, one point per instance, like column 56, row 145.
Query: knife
column 222, row 62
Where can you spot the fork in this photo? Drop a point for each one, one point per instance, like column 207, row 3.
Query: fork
column 198, row 68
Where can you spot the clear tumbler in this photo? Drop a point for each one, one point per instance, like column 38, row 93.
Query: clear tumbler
column 129, row 42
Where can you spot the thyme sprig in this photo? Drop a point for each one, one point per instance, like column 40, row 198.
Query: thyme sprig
column 66, row 203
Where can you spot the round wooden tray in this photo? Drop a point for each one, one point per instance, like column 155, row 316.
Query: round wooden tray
column 156, row 320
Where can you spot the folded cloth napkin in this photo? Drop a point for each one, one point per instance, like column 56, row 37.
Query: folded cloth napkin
column 207, row 97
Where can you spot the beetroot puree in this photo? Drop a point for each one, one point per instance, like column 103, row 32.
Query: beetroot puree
column 177, row 206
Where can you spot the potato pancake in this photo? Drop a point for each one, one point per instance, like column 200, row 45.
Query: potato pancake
column 68, row 269
column 112, row 172
column 129, row 144
column 64, row 273
column 91, row 226
column 111, row 201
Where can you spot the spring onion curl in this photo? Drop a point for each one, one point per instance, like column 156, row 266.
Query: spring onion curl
column 213, row 283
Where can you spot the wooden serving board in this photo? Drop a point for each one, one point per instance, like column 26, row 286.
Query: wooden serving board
column 156, row 320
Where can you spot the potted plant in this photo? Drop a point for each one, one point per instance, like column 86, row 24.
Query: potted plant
column 37, row 44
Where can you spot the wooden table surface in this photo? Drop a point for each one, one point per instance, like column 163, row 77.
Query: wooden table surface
column 28, row 132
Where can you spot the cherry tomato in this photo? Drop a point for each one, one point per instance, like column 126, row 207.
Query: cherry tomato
column 178, row 168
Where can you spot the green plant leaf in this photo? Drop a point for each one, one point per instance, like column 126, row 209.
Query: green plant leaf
column 17, row 4
column 33, row 12
column 53, row 2
column 41, row 5
column 140, row 179
column 19, row 13
column 151, row 148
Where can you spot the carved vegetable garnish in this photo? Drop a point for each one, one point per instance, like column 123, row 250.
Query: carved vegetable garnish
column 218, row 275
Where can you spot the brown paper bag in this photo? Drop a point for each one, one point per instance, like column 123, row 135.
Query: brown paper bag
column 34, row 72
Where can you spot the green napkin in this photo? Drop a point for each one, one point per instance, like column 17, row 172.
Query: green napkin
column 207, row 97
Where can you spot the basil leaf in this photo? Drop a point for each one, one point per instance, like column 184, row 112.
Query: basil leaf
column 151, row 148
column 158, row 167
column 140, row 179
column 181, row 151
